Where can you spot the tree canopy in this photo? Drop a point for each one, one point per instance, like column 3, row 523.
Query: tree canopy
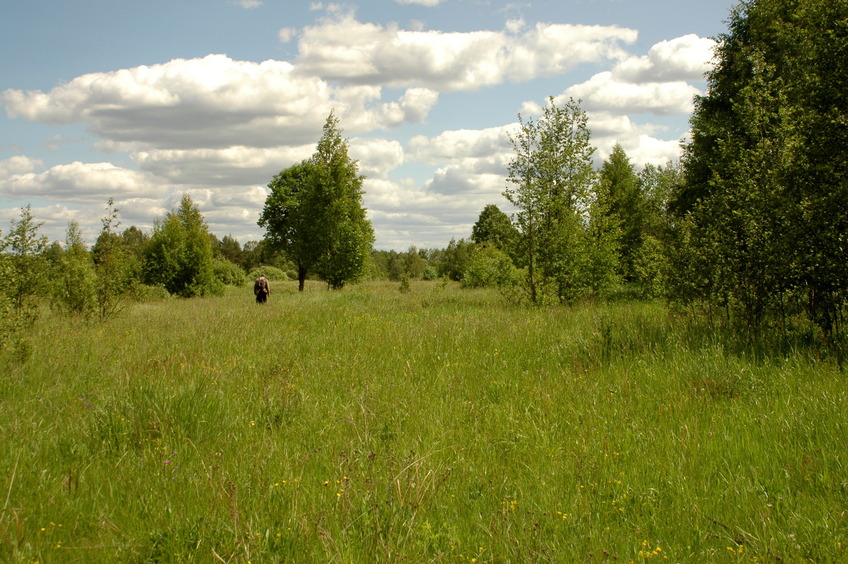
column 552, row 175
column 179, row 254
column 315, row 214
column 766, row 171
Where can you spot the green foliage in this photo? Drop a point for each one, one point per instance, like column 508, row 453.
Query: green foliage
column 9, row 321
column 23, row 272
column 494, row 227
column 315, row 215
column 179, row 255
column 117, row 264
column 767, row 166
column 28, row 267
column 231, row 250
column 228, row 273
column 552, row 173
column 652, row 264
column 416, row 263
column 455, row 260
column 404, row 287
column 271, row 273
column 489, row 267
column 75, row 284
column 621, row 200
column 603, row 254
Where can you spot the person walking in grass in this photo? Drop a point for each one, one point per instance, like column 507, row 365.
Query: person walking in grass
column 262, row 289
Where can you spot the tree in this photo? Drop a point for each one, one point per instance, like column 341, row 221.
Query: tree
column 231, row 250
column 766, row 191
column 75, row 287
column 22, row 270
column 621, row 198
column 314, row 213
column 117, row 265
column 494, row 226
column 602, row 253
column 179, row 254
column 652, row 265
column 552, row 173
column 455, row 259
column 28, row 265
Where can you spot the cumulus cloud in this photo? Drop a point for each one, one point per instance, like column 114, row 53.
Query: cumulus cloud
column 219, row 129
column 407, row 213
column 641, row 142
column 603, row 92
column 483, row 151
column 184, row 103
column 81, row 182
column 656, row 83
column 54, row 220
column 343, row 49
column 685, row 58
column 220, row 167
column 212, row 102
column 286, row 34
column 377, row 157
column 18, row 164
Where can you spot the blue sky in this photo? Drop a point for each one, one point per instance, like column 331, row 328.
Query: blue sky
column 143, row 102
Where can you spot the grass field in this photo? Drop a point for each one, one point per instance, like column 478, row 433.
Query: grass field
column 439, row 425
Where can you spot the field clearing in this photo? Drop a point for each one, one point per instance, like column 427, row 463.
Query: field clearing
column 439, row 425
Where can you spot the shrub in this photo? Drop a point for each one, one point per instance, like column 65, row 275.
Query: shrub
column 271, row 273
column 228, row 272
column 488, row 266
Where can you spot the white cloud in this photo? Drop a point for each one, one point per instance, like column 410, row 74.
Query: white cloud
column 483, row 151
column 184, row 103
column 81, row 182
column 219, row 129
column 213, row 102
column 428, row 3
column 604, row 92
column 377, row 157
column 54, row 220
column 655, row 83
column 639, row 141
column 249, row 4
column 406, row 213
column 219, row 167
column 346, row 50
column 18, row 164
column 685, row 58
column 286, row 34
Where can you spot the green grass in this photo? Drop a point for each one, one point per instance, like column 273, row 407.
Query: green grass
column 439, row 425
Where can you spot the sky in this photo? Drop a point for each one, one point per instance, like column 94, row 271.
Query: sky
column 142, row 102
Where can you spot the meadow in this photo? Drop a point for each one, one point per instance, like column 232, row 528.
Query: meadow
column 438, row 425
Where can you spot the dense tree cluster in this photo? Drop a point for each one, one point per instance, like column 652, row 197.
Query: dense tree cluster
column 764, row 205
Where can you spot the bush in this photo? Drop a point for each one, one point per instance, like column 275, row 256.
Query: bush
column 228, row 272
column 488, row 266
column 271, row 273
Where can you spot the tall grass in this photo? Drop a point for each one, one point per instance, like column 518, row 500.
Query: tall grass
column 436, row 425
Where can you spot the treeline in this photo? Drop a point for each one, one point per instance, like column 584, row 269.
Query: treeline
column 181, row 258
column 493, row 255
column 749, row 229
